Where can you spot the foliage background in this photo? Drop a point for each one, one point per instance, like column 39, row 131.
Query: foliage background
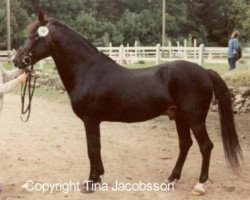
column 124, row 21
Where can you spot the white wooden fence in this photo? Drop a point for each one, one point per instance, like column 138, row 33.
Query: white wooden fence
column 133, row 54
column 200, row 54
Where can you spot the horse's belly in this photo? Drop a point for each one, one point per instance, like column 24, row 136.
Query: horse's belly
column 136, row 111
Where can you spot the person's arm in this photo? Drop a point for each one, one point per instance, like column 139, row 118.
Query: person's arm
column 8, row 87
column 10, row 74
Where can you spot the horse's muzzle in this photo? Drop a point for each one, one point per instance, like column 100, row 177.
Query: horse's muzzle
column 27, row 60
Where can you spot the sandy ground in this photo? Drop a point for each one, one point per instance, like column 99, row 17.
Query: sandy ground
column 51, row 148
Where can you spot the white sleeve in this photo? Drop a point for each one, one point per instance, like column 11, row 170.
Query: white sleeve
column 7, row 87
column 10, row 74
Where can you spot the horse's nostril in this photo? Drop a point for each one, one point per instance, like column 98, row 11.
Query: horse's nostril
column 27, row 60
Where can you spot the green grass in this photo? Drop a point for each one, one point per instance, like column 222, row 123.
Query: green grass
column 236, row 78
column 220, row 68
column 50, row 94
column 138, row 65
column 223, row 68
column 49, row 66
column 8, row 65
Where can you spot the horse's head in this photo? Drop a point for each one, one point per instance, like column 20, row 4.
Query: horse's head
column 36, row 46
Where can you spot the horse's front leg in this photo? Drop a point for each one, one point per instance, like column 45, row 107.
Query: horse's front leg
column 92, row 128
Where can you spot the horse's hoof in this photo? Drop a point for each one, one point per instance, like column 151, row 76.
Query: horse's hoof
column 198, row 190
column 197, row 193
column 170, row 184
column 88, row 187
column 86, row 190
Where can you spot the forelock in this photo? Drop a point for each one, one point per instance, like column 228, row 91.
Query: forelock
column 32, row 27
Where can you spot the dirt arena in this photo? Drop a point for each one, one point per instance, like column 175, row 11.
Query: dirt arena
column 51, row 148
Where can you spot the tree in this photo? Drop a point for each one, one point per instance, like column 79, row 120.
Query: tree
column 109, row 9
column 219, row 17
column 98, row 32
column 124, row 21
column 19, row 18
column 66, row 10
column 246, row 26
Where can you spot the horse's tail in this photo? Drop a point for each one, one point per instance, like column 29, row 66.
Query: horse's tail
column 230, row 139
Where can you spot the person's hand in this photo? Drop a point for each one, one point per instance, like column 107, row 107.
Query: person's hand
column 22, row 78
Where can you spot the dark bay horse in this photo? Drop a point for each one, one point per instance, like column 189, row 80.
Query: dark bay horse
column 101, row 90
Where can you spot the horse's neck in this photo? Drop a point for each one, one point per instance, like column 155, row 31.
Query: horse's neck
column 74, row 57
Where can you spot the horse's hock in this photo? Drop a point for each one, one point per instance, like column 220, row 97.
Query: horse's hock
column 240, row 99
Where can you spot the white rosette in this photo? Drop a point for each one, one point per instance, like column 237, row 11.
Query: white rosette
column 43, row 31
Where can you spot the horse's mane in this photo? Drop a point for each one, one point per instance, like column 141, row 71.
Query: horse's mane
column 59, row 23
column 87, row 43
column 32, row 27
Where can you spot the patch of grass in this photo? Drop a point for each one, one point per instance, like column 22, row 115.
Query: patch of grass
column 8, row 65
column 140, row 65
column 51, row 94
column 48, row 66
column 237, row 78
column 223, row 68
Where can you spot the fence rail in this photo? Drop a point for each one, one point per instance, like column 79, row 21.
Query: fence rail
column 134, row 54
column 157, row 53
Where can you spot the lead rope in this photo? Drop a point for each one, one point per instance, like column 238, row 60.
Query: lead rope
column 31, row 88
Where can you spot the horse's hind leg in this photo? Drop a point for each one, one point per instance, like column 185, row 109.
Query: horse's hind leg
column 206, row 146
column 185, row 142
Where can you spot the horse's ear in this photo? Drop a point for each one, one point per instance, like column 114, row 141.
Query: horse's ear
column 41, row 17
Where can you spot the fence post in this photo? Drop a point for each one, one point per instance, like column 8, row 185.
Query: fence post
column 127, row 54
column 158, row 54
column 136, row 52
column 110, row 49
column 169, row 46
column 201, row 52
column 121, row 56
column 195, row 47
column 195, row 43
column 185, row 48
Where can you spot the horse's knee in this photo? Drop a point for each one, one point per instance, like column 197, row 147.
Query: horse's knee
column 206, row 147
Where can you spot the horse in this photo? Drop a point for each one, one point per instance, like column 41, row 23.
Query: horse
column 102, row 90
